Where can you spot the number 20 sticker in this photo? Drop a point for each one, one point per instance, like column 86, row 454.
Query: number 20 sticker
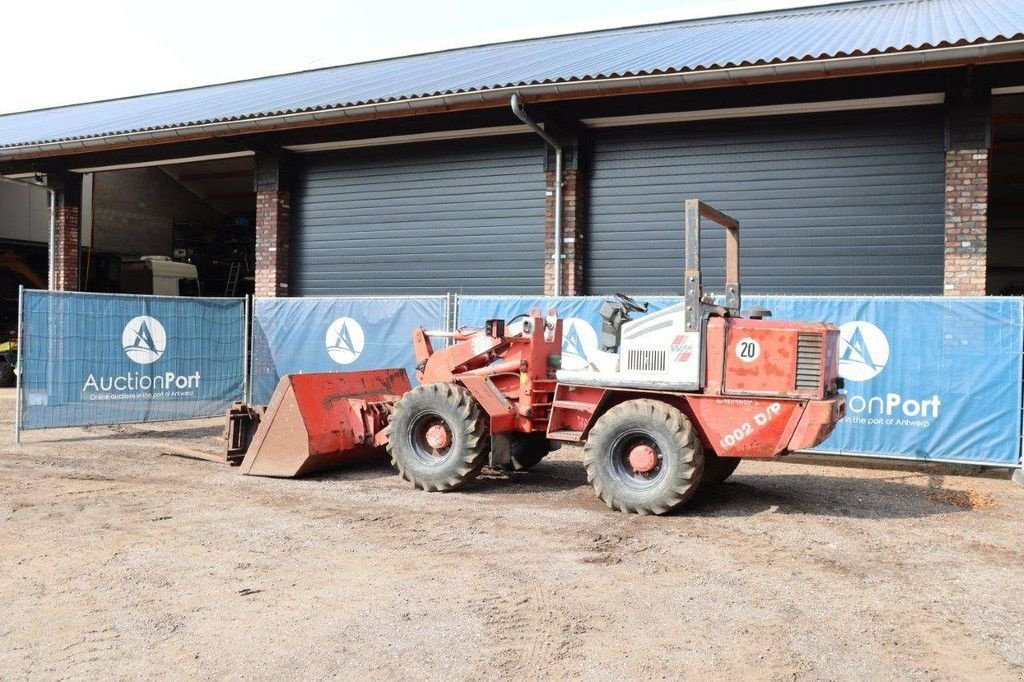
column 748, row 349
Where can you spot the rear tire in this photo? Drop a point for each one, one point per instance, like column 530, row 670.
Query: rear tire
column 718, row 469
column 644, row 457
column 430, row 415
column 528, row 449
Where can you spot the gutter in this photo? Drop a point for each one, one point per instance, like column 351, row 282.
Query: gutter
column 817, row 68
column 517, row 109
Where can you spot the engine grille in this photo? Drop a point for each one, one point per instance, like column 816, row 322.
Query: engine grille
column 808, row 361
column 646, row 361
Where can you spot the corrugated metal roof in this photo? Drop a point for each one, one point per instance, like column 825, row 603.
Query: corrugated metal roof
column 849, row 29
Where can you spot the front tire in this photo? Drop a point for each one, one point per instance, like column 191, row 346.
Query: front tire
column 437, row 437
column 644, row 457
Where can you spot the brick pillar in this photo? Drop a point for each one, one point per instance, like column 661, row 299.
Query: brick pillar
column 572, row 229
column 968, row 138
column 273, row 226
column 272, row 239
column 66, row 248
column 966, row 221
column 67, row 239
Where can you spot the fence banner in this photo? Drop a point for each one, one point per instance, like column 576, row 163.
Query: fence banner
column 929, row 378
column 934, row 378
column 580, row 315
column 117, row 359
column 292, row 335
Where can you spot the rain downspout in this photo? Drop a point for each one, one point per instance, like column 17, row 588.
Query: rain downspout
column 517, row 109
column 53, row 224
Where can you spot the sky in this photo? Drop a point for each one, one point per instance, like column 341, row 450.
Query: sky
column 88, row 50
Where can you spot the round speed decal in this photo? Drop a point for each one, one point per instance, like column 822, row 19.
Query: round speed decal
column 748, row 349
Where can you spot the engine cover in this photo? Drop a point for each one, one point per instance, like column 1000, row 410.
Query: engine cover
column 657, row 348
column 655, row 351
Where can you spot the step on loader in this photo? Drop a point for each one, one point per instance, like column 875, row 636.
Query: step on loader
column 671, row 401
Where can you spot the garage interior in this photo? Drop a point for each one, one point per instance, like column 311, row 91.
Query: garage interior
column 1006, row 198
column 24, row 226
column 201, row 213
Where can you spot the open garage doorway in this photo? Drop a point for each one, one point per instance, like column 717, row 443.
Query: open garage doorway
column 1006, row 197
column 24, row 253
column 191, row 224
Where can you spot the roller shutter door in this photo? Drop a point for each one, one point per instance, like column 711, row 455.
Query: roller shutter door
column 464, row 216
column 843, row 203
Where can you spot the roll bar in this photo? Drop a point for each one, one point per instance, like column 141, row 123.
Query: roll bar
column 694, row 287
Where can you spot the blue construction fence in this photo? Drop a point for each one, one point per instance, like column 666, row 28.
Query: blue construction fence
column 86, row 359
column 927, row 378
column 293, row 335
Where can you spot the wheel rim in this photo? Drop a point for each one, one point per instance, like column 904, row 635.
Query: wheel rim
column 637, row 460
column 431, row 437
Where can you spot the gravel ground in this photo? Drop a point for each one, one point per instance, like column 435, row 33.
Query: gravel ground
column 119, row 559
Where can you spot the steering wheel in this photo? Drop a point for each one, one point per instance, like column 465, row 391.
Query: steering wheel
column 631, row 304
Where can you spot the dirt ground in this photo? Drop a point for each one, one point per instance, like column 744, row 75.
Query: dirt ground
column 118, row 559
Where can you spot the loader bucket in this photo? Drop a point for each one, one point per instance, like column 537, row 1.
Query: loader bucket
column 322, row 420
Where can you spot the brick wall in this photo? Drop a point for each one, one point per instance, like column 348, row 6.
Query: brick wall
column 966, row 221
column 66, row 248
column 272, row 238
column 572, row 247
column 135, row 211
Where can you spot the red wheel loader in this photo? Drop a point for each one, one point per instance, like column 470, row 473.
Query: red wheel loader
column 673, row 400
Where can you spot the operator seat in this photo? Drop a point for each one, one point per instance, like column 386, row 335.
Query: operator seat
column 615, row 312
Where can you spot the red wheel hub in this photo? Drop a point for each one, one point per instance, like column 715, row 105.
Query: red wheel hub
column 438, row 437
column 643, row 459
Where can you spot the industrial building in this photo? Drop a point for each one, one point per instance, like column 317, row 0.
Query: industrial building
column 872, row 147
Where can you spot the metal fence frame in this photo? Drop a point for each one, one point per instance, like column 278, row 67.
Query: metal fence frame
column 451, row 313
column 19, row 385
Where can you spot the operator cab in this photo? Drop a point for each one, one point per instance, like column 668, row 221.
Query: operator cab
column 665, row 350
column 653, row 351
column 616, row 312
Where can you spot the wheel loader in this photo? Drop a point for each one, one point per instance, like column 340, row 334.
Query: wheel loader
column 671, row 401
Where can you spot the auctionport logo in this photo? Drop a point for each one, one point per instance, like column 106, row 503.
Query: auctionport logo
column 344, row 340
column 144, row 339
column 863, row 354
column 863, row 351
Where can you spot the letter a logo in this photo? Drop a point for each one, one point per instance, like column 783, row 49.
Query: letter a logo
column 144, row 339
column 344, row 340
column 863, row 351
column 578, row 341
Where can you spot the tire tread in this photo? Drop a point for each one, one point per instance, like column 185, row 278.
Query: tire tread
column 680, row 433
column 474, row 430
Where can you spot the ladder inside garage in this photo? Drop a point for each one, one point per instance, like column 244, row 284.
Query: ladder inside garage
column 231, row 287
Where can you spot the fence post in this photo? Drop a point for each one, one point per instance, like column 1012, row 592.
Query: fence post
column 247, row 349
column 1017, row 475
column 451, row 315
column 17, row 381
column 451, row 312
